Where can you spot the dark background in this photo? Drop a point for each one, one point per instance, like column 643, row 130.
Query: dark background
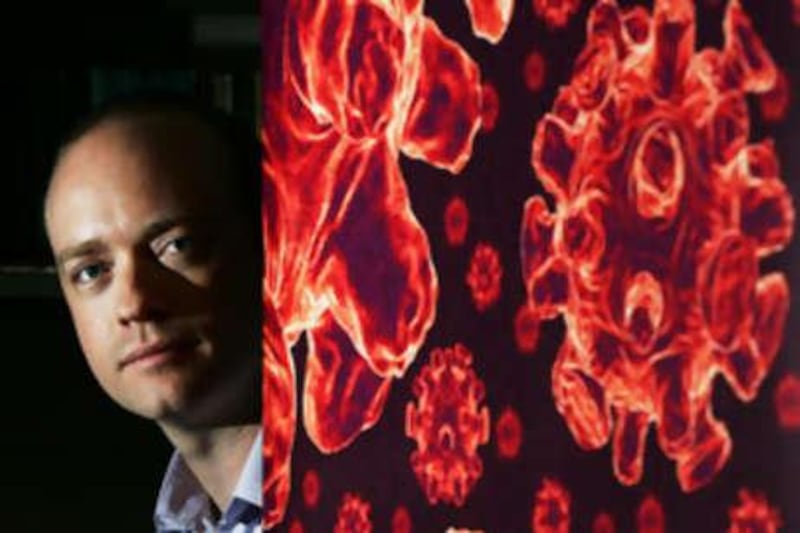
column 495, row 184
column 73, row 460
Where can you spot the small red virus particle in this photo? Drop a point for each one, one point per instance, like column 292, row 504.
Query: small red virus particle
column 787, row 402
column 490, row 18
column 753, row 514
column 456, row 221
column 603, row 523
column 508, row 434
column 534, row 70
column 448, row 424
column 463, row 530
column 551, row 508
column 296, row 526
column 555, row 13
column 311, row 489
column 401, row 520
column 353, row 515
column 490, row 107
column 650, row 516
column 526, row 329
column 485, row 276
column 774, row 103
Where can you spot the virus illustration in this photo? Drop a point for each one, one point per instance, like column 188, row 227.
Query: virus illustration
column 349, row 86
column 448, row 423
column 555, row 13
column 551, row 508
column 753, row 514
column 353, row 515
column 651, row 253
column 485, row 276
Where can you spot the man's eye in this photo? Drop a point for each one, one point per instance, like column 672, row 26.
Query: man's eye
column 178, row 245
column 88, row 273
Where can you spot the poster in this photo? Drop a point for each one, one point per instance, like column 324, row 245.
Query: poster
column 531, row 265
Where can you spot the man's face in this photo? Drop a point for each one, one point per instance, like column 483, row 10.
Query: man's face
column 156, row 269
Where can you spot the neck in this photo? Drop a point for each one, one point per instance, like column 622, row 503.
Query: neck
column 216, row 456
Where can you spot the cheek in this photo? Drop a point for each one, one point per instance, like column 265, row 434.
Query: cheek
column 94, row 338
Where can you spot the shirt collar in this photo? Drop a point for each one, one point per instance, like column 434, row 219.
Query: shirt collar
column 183, row 503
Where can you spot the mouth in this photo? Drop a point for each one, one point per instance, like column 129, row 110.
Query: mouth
column 158, row 353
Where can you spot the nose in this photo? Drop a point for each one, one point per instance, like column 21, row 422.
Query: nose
column 140, row 295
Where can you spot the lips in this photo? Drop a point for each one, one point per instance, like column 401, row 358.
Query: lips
column 158, row 352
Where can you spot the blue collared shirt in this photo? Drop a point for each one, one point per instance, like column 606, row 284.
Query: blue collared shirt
column 183, row 505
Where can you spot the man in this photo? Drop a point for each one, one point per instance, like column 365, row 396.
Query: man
column 152, row 214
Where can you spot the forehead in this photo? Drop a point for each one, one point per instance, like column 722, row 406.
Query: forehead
column 130, row 171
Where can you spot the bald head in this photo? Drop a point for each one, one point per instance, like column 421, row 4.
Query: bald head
column 150, row 237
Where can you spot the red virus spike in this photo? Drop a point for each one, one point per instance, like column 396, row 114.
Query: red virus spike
column 490, row 18
column 456, row 221
column 401, row 520
column 551, row 508
column 448, row 424
column 753, row 514
column 555, row 13
column 650, row 516
column 484, row 277
column 278, row 379
column 534, row 71
column 508, row 434
column 311, row 489
column 651, row 253
column 787, row 402
column 349, row 86
column 774, row 104
column 353, row 515
column 603, row 523
column 526, row 329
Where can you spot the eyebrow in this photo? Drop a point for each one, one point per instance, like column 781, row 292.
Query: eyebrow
column 85, row 248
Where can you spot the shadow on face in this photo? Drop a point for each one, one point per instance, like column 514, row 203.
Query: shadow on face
column 158, row 268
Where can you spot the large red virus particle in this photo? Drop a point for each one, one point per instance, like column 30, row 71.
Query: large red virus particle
column 490, row 18
column 456, row 221
column 484, row 277
column 353, row 515
column 603, row 523
column 490, row 107
column 774, row 104
column 349, row 86
column 753, row 514
column 508, row 434
column 652, row 254
column 311, row 489
column 448, row 423
column 787, row 402
column 534, row 70
column 650, row 516
column 555, row 13
column 401, row 520
column 551, row 508
column 526, row 329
